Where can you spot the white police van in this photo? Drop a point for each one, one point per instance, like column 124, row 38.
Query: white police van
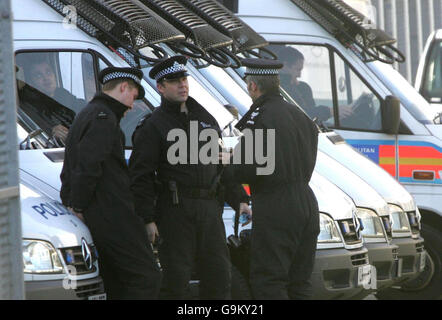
column 75, row 59
column 59, row 258
column 409, row 148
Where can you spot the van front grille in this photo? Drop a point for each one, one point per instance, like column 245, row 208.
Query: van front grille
column 395, row 254
column 73, row 256
column 85, row 291
column 414, row 223
column 420, row 247
column 359, row 259
column 348, row 230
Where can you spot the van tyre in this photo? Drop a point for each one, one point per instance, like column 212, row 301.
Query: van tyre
column 240, row 288
column 428, row 285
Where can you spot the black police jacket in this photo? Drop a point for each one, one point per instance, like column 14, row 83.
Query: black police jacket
column 95, row 173
column 149, row 159
column 295, row 145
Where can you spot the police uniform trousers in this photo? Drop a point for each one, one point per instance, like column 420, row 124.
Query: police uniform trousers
column 283, row 242
column 193, row 239
column 125, row 257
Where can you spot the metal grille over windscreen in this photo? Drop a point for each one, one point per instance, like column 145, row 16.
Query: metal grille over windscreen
column 221, row 18
column 202, row 34
column 351, row 27
column 126, row 22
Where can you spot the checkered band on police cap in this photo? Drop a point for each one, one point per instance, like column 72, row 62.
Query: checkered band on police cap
column 263, row 72
column 120, row 75
column 176, row 67
column 262, row 67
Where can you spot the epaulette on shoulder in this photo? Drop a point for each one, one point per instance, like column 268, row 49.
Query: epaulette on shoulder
column 102, row 115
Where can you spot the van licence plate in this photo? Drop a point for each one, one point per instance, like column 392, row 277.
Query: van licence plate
column 101, row 296
column 364, row 275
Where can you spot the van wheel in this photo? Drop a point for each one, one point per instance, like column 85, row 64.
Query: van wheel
column 428, row 285
column 240, row 287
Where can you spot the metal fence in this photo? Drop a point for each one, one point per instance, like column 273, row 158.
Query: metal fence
column 11, row 261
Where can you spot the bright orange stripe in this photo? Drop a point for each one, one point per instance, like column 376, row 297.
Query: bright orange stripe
column 407, row 171
column 387, row 151
column 247, row 188
column 419, row 152
column 390, row 168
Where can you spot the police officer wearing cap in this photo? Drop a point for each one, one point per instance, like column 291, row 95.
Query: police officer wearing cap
column 285, row 210
column 96, row 186
column 179, row 201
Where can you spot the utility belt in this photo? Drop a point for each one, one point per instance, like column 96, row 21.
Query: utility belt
column 177, row 192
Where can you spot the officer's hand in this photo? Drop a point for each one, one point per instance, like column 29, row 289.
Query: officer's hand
column 244, row 207
column 152, row 231
column 60, row 132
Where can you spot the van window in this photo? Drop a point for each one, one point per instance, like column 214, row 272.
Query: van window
column 60, row 76
column 52, row 90
column 54, row 86
column 432, row 89
column 307, row 76
column 358, row 107
column 299, row 78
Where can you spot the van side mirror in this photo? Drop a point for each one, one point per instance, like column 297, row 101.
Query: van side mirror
column 391, row 114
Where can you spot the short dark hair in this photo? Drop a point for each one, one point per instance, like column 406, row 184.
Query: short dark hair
column 288, row 55
column 112, row 84
column 265, row 83
column 36, row 59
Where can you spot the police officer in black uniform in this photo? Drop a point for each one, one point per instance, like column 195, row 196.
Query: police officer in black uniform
column 181, row 199
column 285, row 210
column 96, row 186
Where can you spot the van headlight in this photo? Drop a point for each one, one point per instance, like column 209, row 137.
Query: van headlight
column 40, row 257
column 328, row 230
column 371, row 223
column 399, row 219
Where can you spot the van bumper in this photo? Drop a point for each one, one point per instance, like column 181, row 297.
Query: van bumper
column 385, row 258
column 412, row 254
column 335, row 274
column 54, row 290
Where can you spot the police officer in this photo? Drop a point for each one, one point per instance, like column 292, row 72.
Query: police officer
column 285, row 210
column 186, row 214
column 96, row 185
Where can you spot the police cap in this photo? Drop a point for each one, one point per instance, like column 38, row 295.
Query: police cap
column 172, row 68
column 262, row 67
column 113, row 73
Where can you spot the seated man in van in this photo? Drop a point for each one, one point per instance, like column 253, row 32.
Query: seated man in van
column 300, row 91
column 47, row 104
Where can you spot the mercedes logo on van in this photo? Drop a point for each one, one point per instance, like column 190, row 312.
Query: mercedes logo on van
column 87, row 256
